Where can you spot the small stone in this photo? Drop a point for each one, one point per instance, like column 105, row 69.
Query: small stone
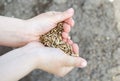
column 111, row 0
column 5, row 4
column 114, row 70
column 60, row 1
column 75, row 6
column 118, row 26
column 13, row 16
column 44, row 1
column 9, row 1
column 116, row 78
column 107, row 38
column 119, row 39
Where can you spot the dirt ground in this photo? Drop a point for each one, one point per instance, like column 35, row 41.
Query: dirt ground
column 96, row 32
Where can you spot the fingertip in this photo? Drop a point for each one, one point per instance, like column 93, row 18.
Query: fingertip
column 65, row 35
column 82, row 63
column 59, row 17
column 66, row 27
column 70, row 10
column 69, row 13
column 70, row 21
column 65, row 40
column 70, row 42
column 76, row 62
column 75, row 48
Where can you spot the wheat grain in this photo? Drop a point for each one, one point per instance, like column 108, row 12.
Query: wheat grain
column 53, row 38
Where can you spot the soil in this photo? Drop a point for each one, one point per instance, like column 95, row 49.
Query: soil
column 96, row 31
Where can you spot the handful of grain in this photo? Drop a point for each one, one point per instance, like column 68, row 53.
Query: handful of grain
column 53, row 38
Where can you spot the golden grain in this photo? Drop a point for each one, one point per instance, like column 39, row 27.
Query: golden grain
column 53, row 38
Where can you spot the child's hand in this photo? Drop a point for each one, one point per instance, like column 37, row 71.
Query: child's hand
column 15, row 32
column 43, row 23
column 16, row 64
column 54, row 60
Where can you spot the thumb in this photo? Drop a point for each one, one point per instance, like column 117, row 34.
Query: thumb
column 75, row 62
column 59, row 17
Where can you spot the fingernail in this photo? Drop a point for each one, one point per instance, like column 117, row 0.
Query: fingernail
column 83, row 63
column 70, row 10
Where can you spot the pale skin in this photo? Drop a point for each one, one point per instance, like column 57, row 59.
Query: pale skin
column 17, row 63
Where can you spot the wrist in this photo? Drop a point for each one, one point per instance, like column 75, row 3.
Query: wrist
column 15, row 32
column 30, row 33
column 30, row 56
column 37, row 60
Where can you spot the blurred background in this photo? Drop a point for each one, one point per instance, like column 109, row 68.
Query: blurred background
column 96, row 31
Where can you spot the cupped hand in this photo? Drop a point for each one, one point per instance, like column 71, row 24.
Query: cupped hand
column 43, row 23
column 53, row 60
column 16, row 32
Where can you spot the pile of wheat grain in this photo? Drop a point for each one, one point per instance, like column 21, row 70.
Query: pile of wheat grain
column 53, row 38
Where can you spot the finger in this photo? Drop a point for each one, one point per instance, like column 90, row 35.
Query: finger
column 65, row 35
column 65, row 40
column 66, row 27
column 75, row 48
column 70, row 21
column 75, row 61
column 59, row 17
column 70, row 42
